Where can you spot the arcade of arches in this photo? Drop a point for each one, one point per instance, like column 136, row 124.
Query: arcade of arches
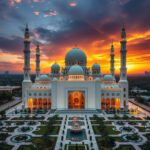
column 76, row 100
column 110, row 103
column 39, row 103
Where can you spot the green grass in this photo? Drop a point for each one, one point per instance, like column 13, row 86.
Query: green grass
column 73, row 147
column 5, row 146
column 98, row 140
column 141, row 129
column 147, row 136
column 26, row 147
column 8, row 129
column 41, row 145
column 108, row 128
column 3, row 136
column 117, row 139
column 125, row 147
column 45, row 130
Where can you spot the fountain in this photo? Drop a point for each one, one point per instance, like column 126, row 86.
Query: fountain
column 76, row 132
column 21, row 138
column 75, row 128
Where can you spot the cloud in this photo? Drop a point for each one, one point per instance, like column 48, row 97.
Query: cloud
column 36, row 13
column 11, row 45
column 50, row 13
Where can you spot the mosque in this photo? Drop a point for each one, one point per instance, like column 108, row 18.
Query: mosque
column 75, row 86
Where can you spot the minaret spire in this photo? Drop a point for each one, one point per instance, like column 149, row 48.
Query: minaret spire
column 37, row 62
column 123, row 69
column 27, row 54
column 112, row 68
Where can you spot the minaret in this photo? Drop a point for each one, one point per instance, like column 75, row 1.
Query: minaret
column 112, row 68
column 123, row 69
column 37, row 62
column 26, row 54
column 26, row 84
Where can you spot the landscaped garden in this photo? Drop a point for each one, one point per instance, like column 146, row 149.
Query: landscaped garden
column 76, row 147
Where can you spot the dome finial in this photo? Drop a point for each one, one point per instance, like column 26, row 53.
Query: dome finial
column 75, row 45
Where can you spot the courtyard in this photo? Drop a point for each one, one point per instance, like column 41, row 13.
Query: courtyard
column 48, row 130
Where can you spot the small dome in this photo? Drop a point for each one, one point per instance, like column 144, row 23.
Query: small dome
column 55, row 67
column 76, row 70
column 97, row 79
column 75, row 56
column 44, row 77
column 108, row 77
column 55, row 79
column 96, row 66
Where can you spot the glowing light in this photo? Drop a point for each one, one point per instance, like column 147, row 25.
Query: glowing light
column 72, row 4
column 30, row 103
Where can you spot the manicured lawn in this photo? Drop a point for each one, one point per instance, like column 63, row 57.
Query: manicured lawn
column 42, row 144
column 96, row 130
column 125, row 147
column 74, row 147
column 27, row 147
column 57, row 122
column 8, row 129
column 94, row 118
column 44, row 130
column 117, row 139
column 3, row 136
column 5, row 146
column 147, row 136
column 141, row 129
column 28, row 118
column 145, row 146
column 99, row 143
column 108, row 128
column 94, row 122
column 111, row 131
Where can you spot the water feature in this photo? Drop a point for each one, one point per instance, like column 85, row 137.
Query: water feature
column 21, row 138
column 76, row 131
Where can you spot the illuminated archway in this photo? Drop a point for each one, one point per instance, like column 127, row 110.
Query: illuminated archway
column 45, row 103
column 35, row 103
column 30, row 103
column 113, row 103
column 40, row 103
column 117, row 103
column 76, row 100
column 107, row 103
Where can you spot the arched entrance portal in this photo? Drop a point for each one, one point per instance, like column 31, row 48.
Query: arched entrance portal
column 76, row 100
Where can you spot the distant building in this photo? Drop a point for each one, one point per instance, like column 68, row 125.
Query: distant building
column 75, row 86
column 147, row 73
column 138, row 90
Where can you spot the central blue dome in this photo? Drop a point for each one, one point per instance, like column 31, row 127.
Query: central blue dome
column 75, row 56
column 75, row 70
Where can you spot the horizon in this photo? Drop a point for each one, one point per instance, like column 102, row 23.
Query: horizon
column 60, row 25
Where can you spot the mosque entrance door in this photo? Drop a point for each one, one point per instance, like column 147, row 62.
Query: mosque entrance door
column 76, row 100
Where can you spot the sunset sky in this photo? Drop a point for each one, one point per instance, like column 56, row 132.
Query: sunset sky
column 59, row 25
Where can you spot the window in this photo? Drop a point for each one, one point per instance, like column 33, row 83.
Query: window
column 30, row 94
column 40, row 94
column 124, row 95
column 124, row 89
